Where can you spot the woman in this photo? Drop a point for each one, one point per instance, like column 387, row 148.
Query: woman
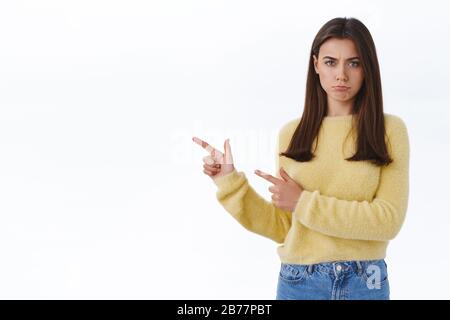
column 341, row 193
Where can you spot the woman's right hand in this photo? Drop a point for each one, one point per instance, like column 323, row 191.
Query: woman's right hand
column 216, row 164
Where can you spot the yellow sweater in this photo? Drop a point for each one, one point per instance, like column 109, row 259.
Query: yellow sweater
column 349, row 210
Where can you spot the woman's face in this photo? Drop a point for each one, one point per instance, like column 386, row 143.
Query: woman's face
column 338, row 64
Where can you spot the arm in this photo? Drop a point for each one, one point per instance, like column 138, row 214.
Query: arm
column 379, row 219
column 251, row 210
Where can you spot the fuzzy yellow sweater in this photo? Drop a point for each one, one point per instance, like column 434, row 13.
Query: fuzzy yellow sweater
column 349, row 210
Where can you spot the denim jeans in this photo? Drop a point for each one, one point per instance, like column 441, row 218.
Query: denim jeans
column 340, row 280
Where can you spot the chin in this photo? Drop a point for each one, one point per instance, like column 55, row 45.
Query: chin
column 341, row 98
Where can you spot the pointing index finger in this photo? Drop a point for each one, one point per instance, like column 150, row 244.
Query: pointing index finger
column 268, row 177
column 205, row 145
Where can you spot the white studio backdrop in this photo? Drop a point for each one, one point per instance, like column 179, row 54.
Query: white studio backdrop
column 102, row 194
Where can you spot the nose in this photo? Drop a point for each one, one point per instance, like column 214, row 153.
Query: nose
column 341, row 75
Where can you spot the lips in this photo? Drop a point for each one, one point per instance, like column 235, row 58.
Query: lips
column 341, row 88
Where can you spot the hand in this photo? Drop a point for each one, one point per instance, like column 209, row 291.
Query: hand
column 286, row 191
column 217, row 164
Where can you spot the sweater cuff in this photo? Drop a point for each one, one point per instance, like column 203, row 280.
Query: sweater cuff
column 303, row 207
column 227, row 181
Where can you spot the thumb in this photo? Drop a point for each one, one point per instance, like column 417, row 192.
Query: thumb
column 228, row 155
column 285, row 175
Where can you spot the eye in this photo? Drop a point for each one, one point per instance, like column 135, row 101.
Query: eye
column 326, row 62
column 354, row 63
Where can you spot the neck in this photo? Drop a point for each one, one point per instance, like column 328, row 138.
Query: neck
column 339, row 108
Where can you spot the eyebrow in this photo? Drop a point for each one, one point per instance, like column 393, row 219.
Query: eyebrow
column 352, row 58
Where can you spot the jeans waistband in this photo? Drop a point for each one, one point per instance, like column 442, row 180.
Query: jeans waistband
column 357, row 266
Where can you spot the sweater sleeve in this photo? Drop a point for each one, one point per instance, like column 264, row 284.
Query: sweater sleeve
column 251, row 210
column 379, row 219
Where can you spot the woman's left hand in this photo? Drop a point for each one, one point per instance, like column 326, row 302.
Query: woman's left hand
column 285, row 192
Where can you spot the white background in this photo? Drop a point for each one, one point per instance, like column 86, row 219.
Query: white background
column 102, row 194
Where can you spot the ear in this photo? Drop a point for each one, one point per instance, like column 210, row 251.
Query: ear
column 315, row 64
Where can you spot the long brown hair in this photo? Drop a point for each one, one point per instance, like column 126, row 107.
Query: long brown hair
column 368, row 116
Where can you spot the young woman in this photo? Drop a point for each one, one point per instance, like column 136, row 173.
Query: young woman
column 341, row 192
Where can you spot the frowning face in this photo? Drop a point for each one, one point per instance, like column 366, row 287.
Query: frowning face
column 339, row 69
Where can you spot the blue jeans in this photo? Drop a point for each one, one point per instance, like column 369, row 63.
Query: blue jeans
column 340, row 280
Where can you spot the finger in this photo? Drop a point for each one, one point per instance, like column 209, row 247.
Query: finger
column 211, row 168
column 273, row 189
column 212, row 151
column 211, row 162
column 209, row 173
column 228, row 157
column 284, row 175
column 208, row 160
column 268, row 177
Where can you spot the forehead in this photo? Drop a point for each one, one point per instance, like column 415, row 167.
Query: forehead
column 338, row 48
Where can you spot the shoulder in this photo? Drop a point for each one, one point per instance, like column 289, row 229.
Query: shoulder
column 286, row 132
column 394, row 124
column 288, row 128
column 397, row 136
